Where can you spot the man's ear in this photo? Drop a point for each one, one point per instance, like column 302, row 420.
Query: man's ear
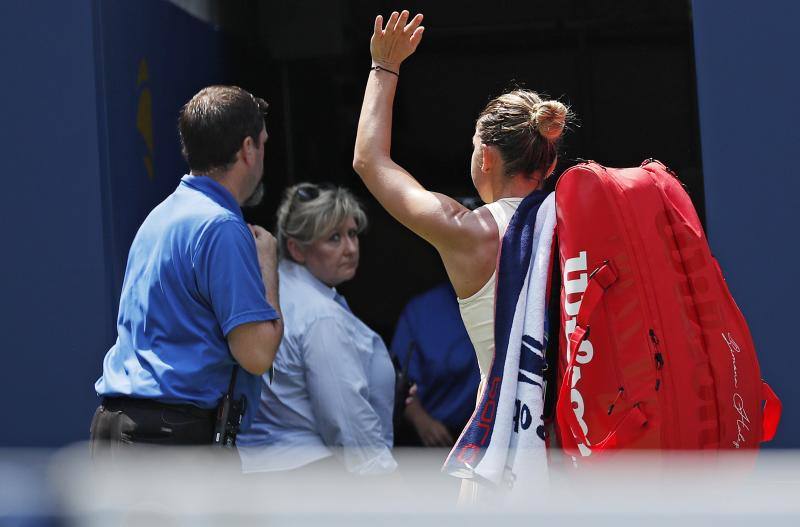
column 295, row 251
column 248, row 150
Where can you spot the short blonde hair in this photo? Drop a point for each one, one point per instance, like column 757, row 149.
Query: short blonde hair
column 308, row 211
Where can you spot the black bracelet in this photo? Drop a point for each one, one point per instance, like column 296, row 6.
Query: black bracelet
column 381, row 68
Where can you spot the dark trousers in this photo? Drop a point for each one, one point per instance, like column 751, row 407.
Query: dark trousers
column 121, row 421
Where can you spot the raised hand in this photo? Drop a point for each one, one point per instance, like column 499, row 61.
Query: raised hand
column 391, row 45
column 267, row 251
column 266, row 248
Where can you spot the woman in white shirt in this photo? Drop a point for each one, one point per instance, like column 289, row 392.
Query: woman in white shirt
column 515, row 148
column 333, row 387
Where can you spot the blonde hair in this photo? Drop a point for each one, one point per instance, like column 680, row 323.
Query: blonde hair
column 525, row 128
column 308, row 211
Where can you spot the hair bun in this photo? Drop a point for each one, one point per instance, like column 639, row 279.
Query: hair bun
column 550, row 118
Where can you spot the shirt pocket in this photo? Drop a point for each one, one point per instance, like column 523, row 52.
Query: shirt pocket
column 289, row 358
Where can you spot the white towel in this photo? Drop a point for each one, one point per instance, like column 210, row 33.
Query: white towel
column 503, row 444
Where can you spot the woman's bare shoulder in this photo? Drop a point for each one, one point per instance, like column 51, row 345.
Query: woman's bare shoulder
column 471, row 263
column 474, row 226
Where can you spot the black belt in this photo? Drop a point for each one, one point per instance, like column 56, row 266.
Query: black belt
column 123, row 403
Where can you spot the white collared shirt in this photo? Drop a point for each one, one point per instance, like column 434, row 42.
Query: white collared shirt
column 333, row 389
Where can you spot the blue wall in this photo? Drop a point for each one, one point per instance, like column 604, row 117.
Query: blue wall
column 54, row 303
column 748, row 86
column 89, row 99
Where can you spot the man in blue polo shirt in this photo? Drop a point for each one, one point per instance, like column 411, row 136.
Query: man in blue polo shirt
column 200, row 294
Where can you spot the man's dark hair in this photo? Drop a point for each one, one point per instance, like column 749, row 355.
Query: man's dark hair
column 214, row 123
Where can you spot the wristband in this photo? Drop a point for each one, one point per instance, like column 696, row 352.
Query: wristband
column 381, row 68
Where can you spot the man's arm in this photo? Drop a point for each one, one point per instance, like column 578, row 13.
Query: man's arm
column 430, row 430
column 255, row 344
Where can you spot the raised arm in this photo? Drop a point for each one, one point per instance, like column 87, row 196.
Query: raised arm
column 440, row 220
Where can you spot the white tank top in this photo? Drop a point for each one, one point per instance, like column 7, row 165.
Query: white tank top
column 477, row 311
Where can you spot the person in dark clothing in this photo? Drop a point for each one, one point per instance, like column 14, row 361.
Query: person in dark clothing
column 433, row 348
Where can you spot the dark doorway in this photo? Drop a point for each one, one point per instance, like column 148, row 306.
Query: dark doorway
column 625, row 67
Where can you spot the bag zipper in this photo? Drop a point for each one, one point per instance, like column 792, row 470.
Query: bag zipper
column 658, row 358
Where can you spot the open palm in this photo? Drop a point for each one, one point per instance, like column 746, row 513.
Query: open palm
column 391, row 45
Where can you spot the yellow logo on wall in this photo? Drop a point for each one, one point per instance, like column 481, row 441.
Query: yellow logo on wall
column 144, row 116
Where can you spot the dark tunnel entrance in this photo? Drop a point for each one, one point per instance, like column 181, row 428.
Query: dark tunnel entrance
column 626, row 69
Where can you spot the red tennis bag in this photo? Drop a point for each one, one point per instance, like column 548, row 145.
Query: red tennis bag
column 654, row 353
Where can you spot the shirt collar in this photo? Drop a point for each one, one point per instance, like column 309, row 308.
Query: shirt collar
column 305, row 276
column 213, row 190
